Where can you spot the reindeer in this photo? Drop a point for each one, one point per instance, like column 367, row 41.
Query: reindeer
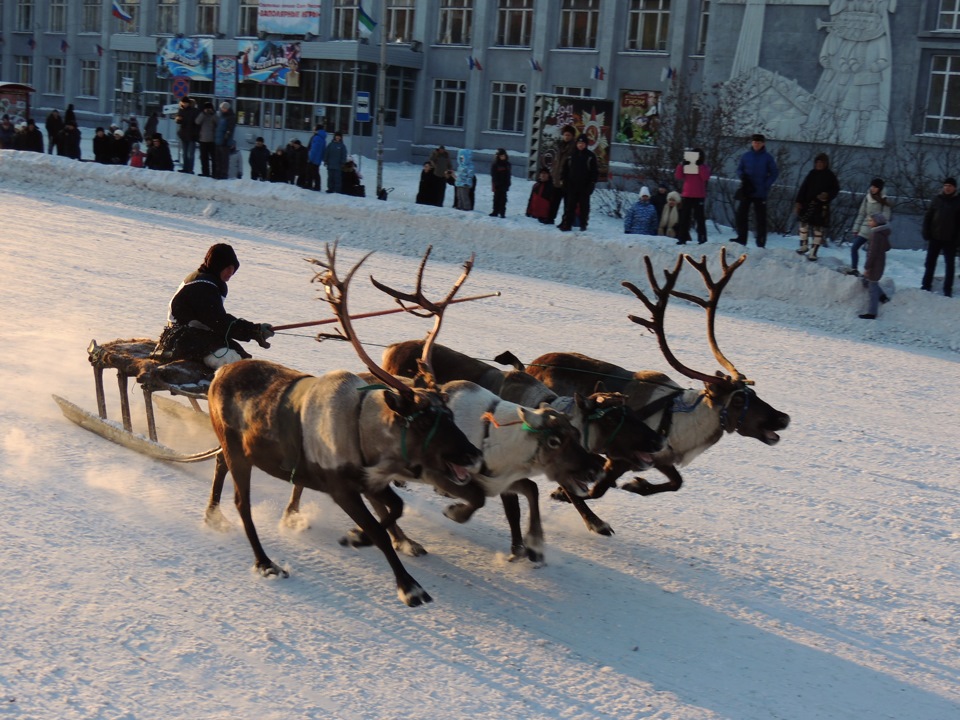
column 691, row 420
column 336, row 434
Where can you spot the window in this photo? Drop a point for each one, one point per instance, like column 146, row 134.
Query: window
column 168, row 17
column 647, row 25
column 208, row 17
column 949, row 16
column 508, row 106
column 345, row 19
column 24, row 71
column 943, row 101
column 90, row 19
column 132, row 8
column 400, row 89
column 55, row 69
column 400, row 20
column 89, row 77
column 24, row 21
column 515, row 22
column 248, row 18
column 702, row 29
column 58, row 16
column 456, row 19
column 578, row 23
column 572, row 91
column 449, row 97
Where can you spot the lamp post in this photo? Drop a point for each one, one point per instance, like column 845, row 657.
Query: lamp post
column 381, row 101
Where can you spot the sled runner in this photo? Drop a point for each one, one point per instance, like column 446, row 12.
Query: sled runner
column 131, row 359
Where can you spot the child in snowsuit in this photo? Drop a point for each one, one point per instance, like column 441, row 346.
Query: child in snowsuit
column 641, row 219
column 541, row 197
column 670, row 216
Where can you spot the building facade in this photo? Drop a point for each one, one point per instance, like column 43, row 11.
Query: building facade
column 468, row 73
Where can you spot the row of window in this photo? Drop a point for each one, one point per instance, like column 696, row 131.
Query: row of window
column 647, row 25
column 56, row 71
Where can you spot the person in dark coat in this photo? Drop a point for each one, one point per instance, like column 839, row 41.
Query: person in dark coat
column 32, row 140
column 102, row 147
column 757, row 171
column 659, row 199
column 150, row 127
column 198, row 327
column 565, row 147
column 432, row 186
column 187, row 132
column 278, row 166
column 941, row 226
column 580, row 173
column 541, row 197
column 158, row 154
column 69, row 116
column 7, row 131
column 350, row 180
column 206, row 132
column 223, row 136
column 875, row 262
column 259, row 161
column 441, row 168
column 68, row 142
column 500, row 176
column 54, row 125
column 816, row 192
column 297, row 157
column 334, row 156
column 121, row 148
column 132, row 133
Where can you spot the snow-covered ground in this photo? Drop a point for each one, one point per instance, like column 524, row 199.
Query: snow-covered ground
column 816, row 579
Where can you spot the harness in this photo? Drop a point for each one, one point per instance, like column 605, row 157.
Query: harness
column 724, row 414
column 490, row 421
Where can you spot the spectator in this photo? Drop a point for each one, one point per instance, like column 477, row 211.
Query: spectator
column 334, row 156
column 318, row 143
column 226, row 124
column 580, row 173
column 659, row 199
column 541, row 197
column 816, row 192
column 32, row 140
column 757, row 171
column 234, row 162
column 278, row 166
column 102, row 147
column 54, row 125
column 150, row 129
column 670, row 217
column 158, row 154
column 500, row 176
column 350, row 180
column 875, row 262
column 68, row 142
column 259, row 161
column 137, row 157
column 206, row 134
column 120, row 148
column 466, row 180
column 940, row 228
column 441, row 168
column 641, row 219
column 432, row 188
column 7, row 131
column 70, row 117
column 188, row 132
column 132, row 133
column 693, row 174
column 565, row 148
column 873, row 202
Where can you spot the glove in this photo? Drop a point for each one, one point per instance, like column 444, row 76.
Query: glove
column 264, row 332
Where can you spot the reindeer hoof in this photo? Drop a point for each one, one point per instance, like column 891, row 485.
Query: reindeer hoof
column 602, row 528
column 411, row 548
column 460, row 512
column 413, row 596
column 295, row 521
column 560, row 495
column 215, row 519
column 639, row 486
column 355, row 538
column 271, row 569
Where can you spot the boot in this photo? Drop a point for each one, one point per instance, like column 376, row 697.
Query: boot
column 802, row 250
column 813, row 253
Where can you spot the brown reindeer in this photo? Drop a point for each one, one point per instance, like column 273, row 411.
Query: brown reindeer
column 691, row 420
column 334, row 433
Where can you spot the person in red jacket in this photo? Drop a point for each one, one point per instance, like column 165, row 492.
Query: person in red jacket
column 541, row 197
column 693, row 174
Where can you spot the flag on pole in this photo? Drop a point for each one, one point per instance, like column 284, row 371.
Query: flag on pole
column 596, row 73
column 64, row 46
column 120, row 13
column 535, row 65
column 365, row 23
column 31, row 43
column 474, row 63
column 100, row 50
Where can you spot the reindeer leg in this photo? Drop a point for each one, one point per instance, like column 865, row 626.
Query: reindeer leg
column 408, row 590
column 511, row 508
column 644, row 487
column 590, row 519
column 291, row 514
column 533, row 542
column 389, row 508
column 240, row 469
column 471, row 493
column 213, row 516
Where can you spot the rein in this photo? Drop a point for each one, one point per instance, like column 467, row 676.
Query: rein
column 407, row 422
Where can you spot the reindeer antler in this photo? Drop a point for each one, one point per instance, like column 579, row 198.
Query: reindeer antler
column 710, row 304
column 658, row 311
column 418, row 301
column 336, row 295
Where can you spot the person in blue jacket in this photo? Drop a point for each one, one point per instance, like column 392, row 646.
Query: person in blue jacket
column 315, row 150
column 757, row 171
column 641, row 219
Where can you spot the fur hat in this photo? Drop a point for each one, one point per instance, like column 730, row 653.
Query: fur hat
column 568, row 129
column 758, row 137
column 950, row 181
column 218, row 257
column 675, row 196
column 582, row 137
column 644, row 191
column 117, row 134
column 879, row 219
column 877, row 183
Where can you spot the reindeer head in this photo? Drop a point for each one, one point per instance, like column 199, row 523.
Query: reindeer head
column 741, row 409
column 610, row 426
column 559, row 451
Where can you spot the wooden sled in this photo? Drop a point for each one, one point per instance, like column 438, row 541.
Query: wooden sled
column 131, row 359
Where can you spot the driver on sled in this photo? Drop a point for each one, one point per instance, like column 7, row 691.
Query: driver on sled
column 198, row 327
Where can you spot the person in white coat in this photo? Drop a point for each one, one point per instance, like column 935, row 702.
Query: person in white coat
column 874, row 202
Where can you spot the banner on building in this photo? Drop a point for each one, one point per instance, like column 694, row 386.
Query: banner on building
column 185, row 57
column 225, row 76
column 588, row 116
column 268, row 62
column 638, row 117
column 289, row 17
